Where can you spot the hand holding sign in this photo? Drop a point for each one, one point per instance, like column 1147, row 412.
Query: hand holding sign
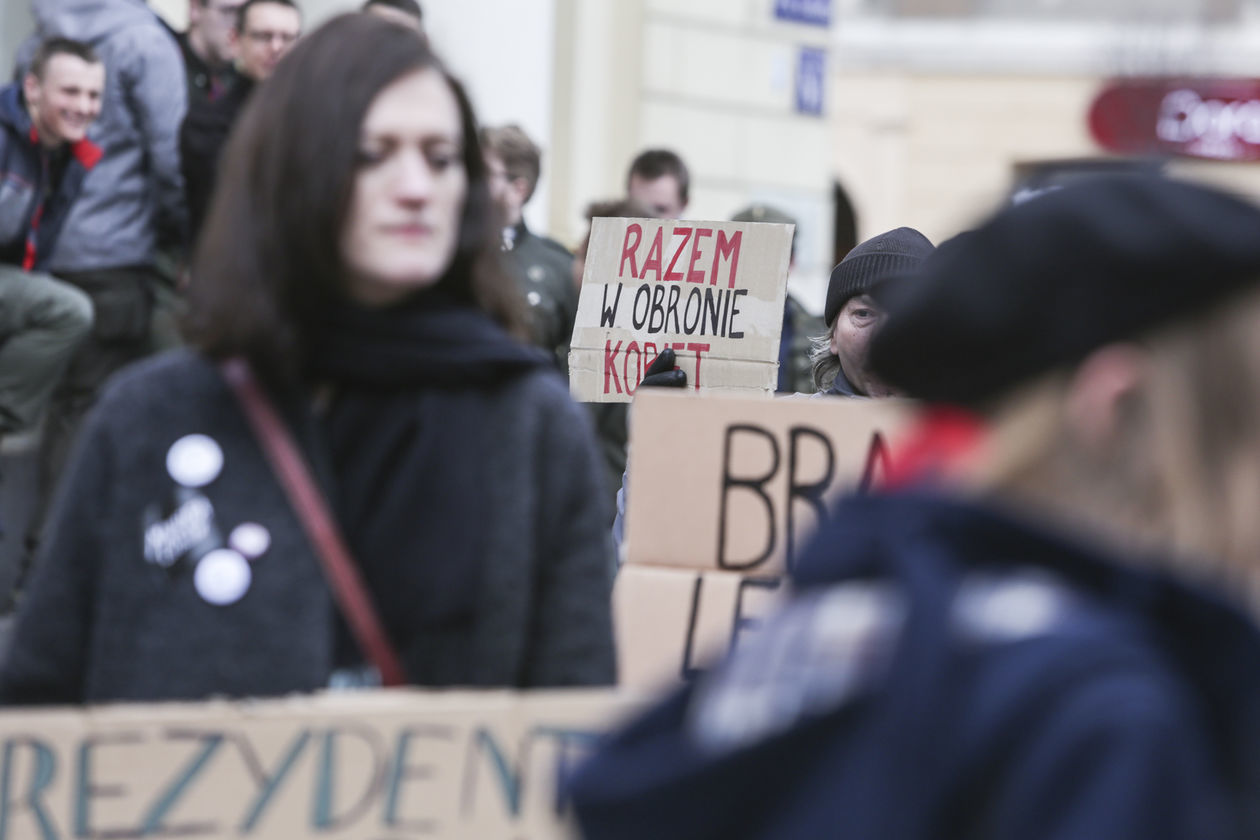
column 712, row 292
column 662, row 373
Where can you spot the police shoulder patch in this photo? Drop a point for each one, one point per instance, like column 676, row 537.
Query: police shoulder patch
column 824, row 649
column 994, row 608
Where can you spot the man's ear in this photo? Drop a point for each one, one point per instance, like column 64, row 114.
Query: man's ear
column 30, row 90
column 1098, row 388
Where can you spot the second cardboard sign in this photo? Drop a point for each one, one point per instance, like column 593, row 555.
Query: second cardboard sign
column 737, row 485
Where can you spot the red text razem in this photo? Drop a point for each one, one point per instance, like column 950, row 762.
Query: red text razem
column 662, row 302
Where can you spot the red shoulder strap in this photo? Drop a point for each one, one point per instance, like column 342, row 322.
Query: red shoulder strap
column 339, row 567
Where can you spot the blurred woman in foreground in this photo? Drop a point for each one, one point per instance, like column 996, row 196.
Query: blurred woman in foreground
column 348, row 267
column 1052, row 641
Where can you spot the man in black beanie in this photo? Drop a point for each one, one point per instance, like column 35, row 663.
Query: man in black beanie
column 855, row 311
column 799, row 324
column 1053, row 639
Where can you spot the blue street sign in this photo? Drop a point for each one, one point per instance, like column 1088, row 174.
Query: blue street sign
column 811, row 69
column 815, row 12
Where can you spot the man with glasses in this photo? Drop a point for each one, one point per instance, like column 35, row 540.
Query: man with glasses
column 265, row 30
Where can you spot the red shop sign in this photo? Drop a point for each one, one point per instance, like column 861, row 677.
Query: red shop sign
column 1217, row 119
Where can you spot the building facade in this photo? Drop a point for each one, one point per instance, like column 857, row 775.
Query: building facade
column 855, row 116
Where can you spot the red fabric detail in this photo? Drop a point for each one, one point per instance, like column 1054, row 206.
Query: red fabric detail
column 943, row 436
column 28, row 259
column 87, row 153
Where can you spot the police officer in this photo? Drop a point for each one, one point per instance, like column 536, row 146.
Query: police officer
column 1052, row 638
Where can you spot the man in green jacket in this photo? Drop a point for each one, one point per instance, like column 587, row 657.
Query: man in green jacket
column 543, row 268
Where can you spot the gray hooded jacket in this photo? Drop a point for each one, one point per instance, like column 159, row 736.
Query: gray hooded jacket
column 136, row 189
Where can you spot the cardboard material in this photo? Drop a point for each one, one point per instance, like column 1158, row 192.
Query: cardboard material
column 738, row 484
column 713, row 291
column 672, row 623
column 389, row 764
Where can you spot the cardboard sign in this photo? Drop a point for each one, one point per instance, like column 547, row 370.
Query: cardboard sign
column 672, row 623
column 713, row 291
column 390, row 764
column 737, row 485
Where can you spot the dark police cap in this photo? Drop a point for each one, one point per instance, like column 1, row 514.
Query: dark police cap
column 1045, row 283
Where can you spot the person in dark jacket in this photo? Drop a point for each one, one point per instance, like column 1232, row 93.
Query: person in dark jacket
column 1051, row 639
column 44, row 156
column 209, row 48
column 854, row 312
column 265, row 30
column 542, row 266
column 365, row 295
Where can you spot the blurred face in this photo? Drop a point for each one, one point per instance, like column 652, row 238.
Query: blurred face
column 851, row 334
column 663, row 195
column 270, row 31
column 211, row 27
column 508, row 192
column 66, row 100
column 403, row 223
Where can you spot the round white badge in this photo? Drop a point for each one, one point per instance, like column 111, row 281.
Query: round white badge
column 222, row 577
column 250, row 539
column 194, row 460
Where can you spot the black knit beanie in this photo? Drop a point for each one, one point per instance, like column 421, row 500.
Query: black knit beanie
column 875, row 260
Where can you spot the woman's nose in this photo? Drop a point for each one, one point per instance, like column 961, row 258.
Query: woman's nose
column 414, row 178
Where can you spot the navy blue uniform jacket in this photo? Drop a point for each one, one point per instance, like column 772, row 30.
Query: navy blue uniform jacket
column 947, row 670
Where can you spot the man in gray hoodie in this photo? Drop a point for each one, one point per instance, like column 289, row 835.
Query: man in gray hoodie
column 132, row 203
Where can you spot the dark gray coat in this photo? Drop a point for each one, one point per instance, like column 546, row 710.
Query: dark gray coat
column 102, row 623
column 543, row 270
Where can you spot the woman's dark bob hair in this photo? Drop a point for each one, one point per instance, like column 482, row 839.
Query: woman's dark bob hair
column 268, row 266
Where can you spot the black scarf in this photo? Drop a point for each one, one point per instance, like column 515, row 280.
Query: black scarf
column 403, row 432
